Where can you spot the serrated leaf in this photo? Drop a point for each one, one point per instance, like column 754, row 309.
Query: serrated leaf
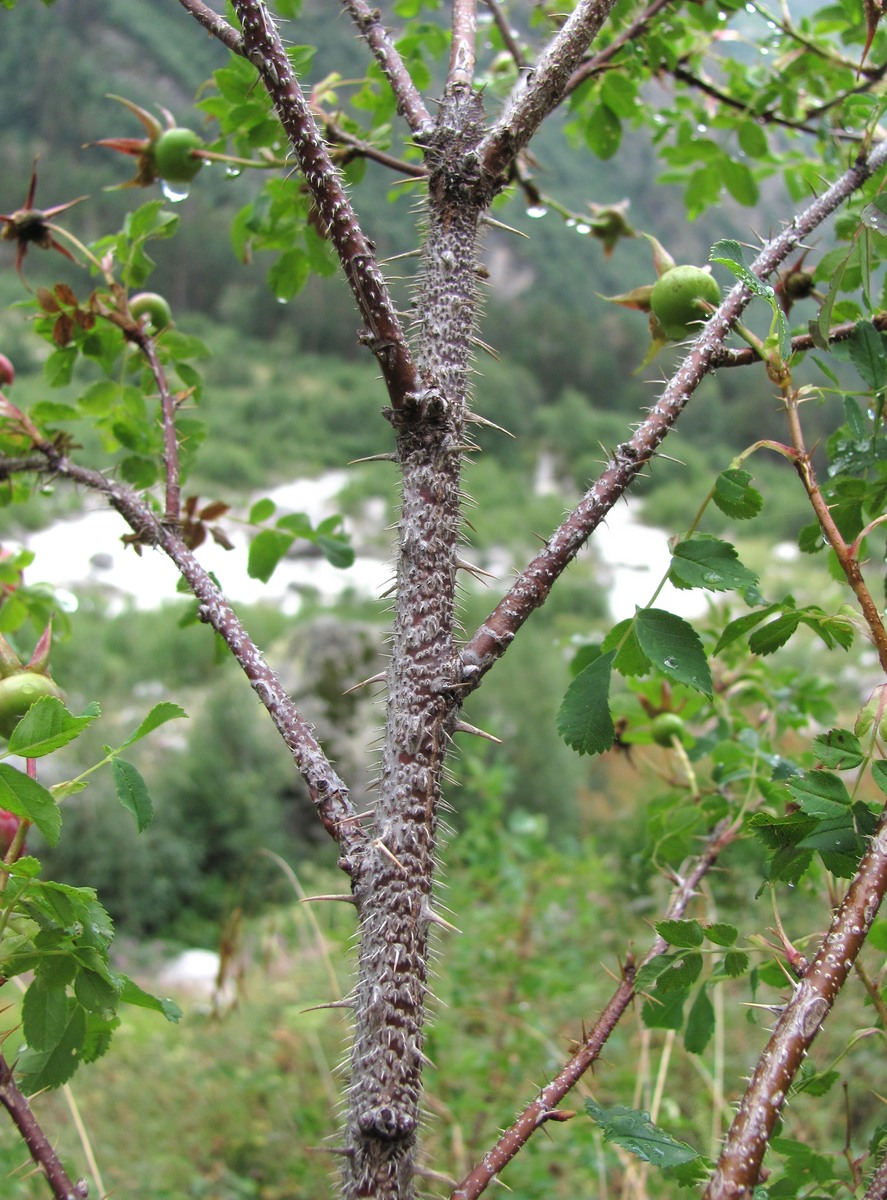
column 666, row 1012
column 39, row 1069
column 650, row 972
column 743, row 625
column 630, row 659
column 734, row 495
column 265, row 552
column 700, row 1023
column 879, row 774
column 729, row 253
column 159, row 715
column 96, row 993
column 27, row 798
column 45, row 727
column 673, row 645
column 867, row 354
column 820, row 794
column 710, row 563
column 735, row 963
column 774, row 634
column 635, row 1132
column 679, row 933
column 45, row 1013
column 584, row 720
column 721, row 933
column 839, row 749
column 681, row 975
column 133, row 793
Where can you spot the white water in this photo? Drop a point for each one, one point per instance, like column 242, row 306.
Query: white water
column 88, row 549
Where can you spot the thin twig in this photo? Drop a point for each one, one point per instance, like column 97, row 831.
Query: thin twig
column 328, row 792
column 410, row 104
column 263, row 47
column 507, row 35
column 538, row 1111
column 800, row 342
column 214, row 24
column 16, row 1104
column 173, row 510
column 533, row 585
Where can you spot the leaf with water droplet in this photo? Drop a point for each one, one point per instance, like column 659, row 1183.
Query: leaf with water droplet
column 709, row 563
column 672, row 645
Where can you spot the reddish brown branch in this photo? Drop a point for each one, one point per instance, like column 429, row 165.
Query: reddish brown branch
column 802, row 342
column 533, row 585
column 42, row 1152
column 410, row 104
column 541, row 90
column 173, row 510
column 328, row 792
column 739, row 1165
column 214, row 24
column 539, row 1110
column 263, row 47
column 505, row 32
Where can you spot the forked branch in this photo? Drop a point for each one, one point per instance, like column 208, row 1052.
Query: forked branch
column 533, row 586
column 410, row 104
column 538, row 1110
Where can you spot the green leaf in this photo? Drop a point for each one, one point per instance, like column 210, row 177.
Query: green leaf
column 584, row 720
column 730, row 254
column 867, row 354
column 131, row 993
column 27, row 798
column 700, row 1023
column 774, row 634
column 743, row 625
column 47, row 726
column 630, row 659
column 603, row 132
column 739, row 181
column 44, row 1014
column 263, row 510
column 681, row 975
column 721, row 933
column 677, row 933
column 820, row 794
column 839, row 749
column 735, row 496
column 635, row 1132
column 39, row 1069
column 672, row 645
column 879, row 774
column 265, row 552
column 735, row 963
column 710, row 563
column 96, row 993
column 159, row 715
column 132, row 793
column 666, row 1012
column 338, row 550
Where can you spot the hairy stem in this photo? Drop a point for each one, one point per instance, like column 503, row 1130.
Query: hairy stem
column 410, row 104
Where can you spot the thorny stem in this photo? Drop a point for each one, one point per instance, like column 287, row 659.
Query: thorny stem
column 410, row 104
column 328, row 792
column 385, row 336
column 540, row 1109
column 877, row 1188
column 173, row 509
column 738, row 1169
column 799, row 343
column 214, row 24
column 533, row 585
column 42, row 1152
column 539, row 92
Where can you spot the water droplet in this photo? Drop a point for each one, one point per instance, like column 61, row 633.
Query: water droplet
column 537, row 210
column 232, row 172
column 711, row 577
column 670, row 663
column 175, row 193
column 583, row 228
column 702, row 128
column 571, row 222
column 282, row 300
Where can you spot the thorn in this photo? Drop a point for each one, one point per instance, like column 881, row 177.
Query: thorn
column 436, row 919
column 474, row 419
column 347, row 1151
column 464, row 727
column 380, row 678
column 427, row 1173
column 380, row 845
column 491, row 221
column 342, row 897
column 373, row 458
column 330, row 1004
column 482, row 345
column 473, row 570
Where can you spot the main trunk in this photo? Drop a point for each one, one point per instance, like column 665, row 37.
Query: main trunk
column 393, row 883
